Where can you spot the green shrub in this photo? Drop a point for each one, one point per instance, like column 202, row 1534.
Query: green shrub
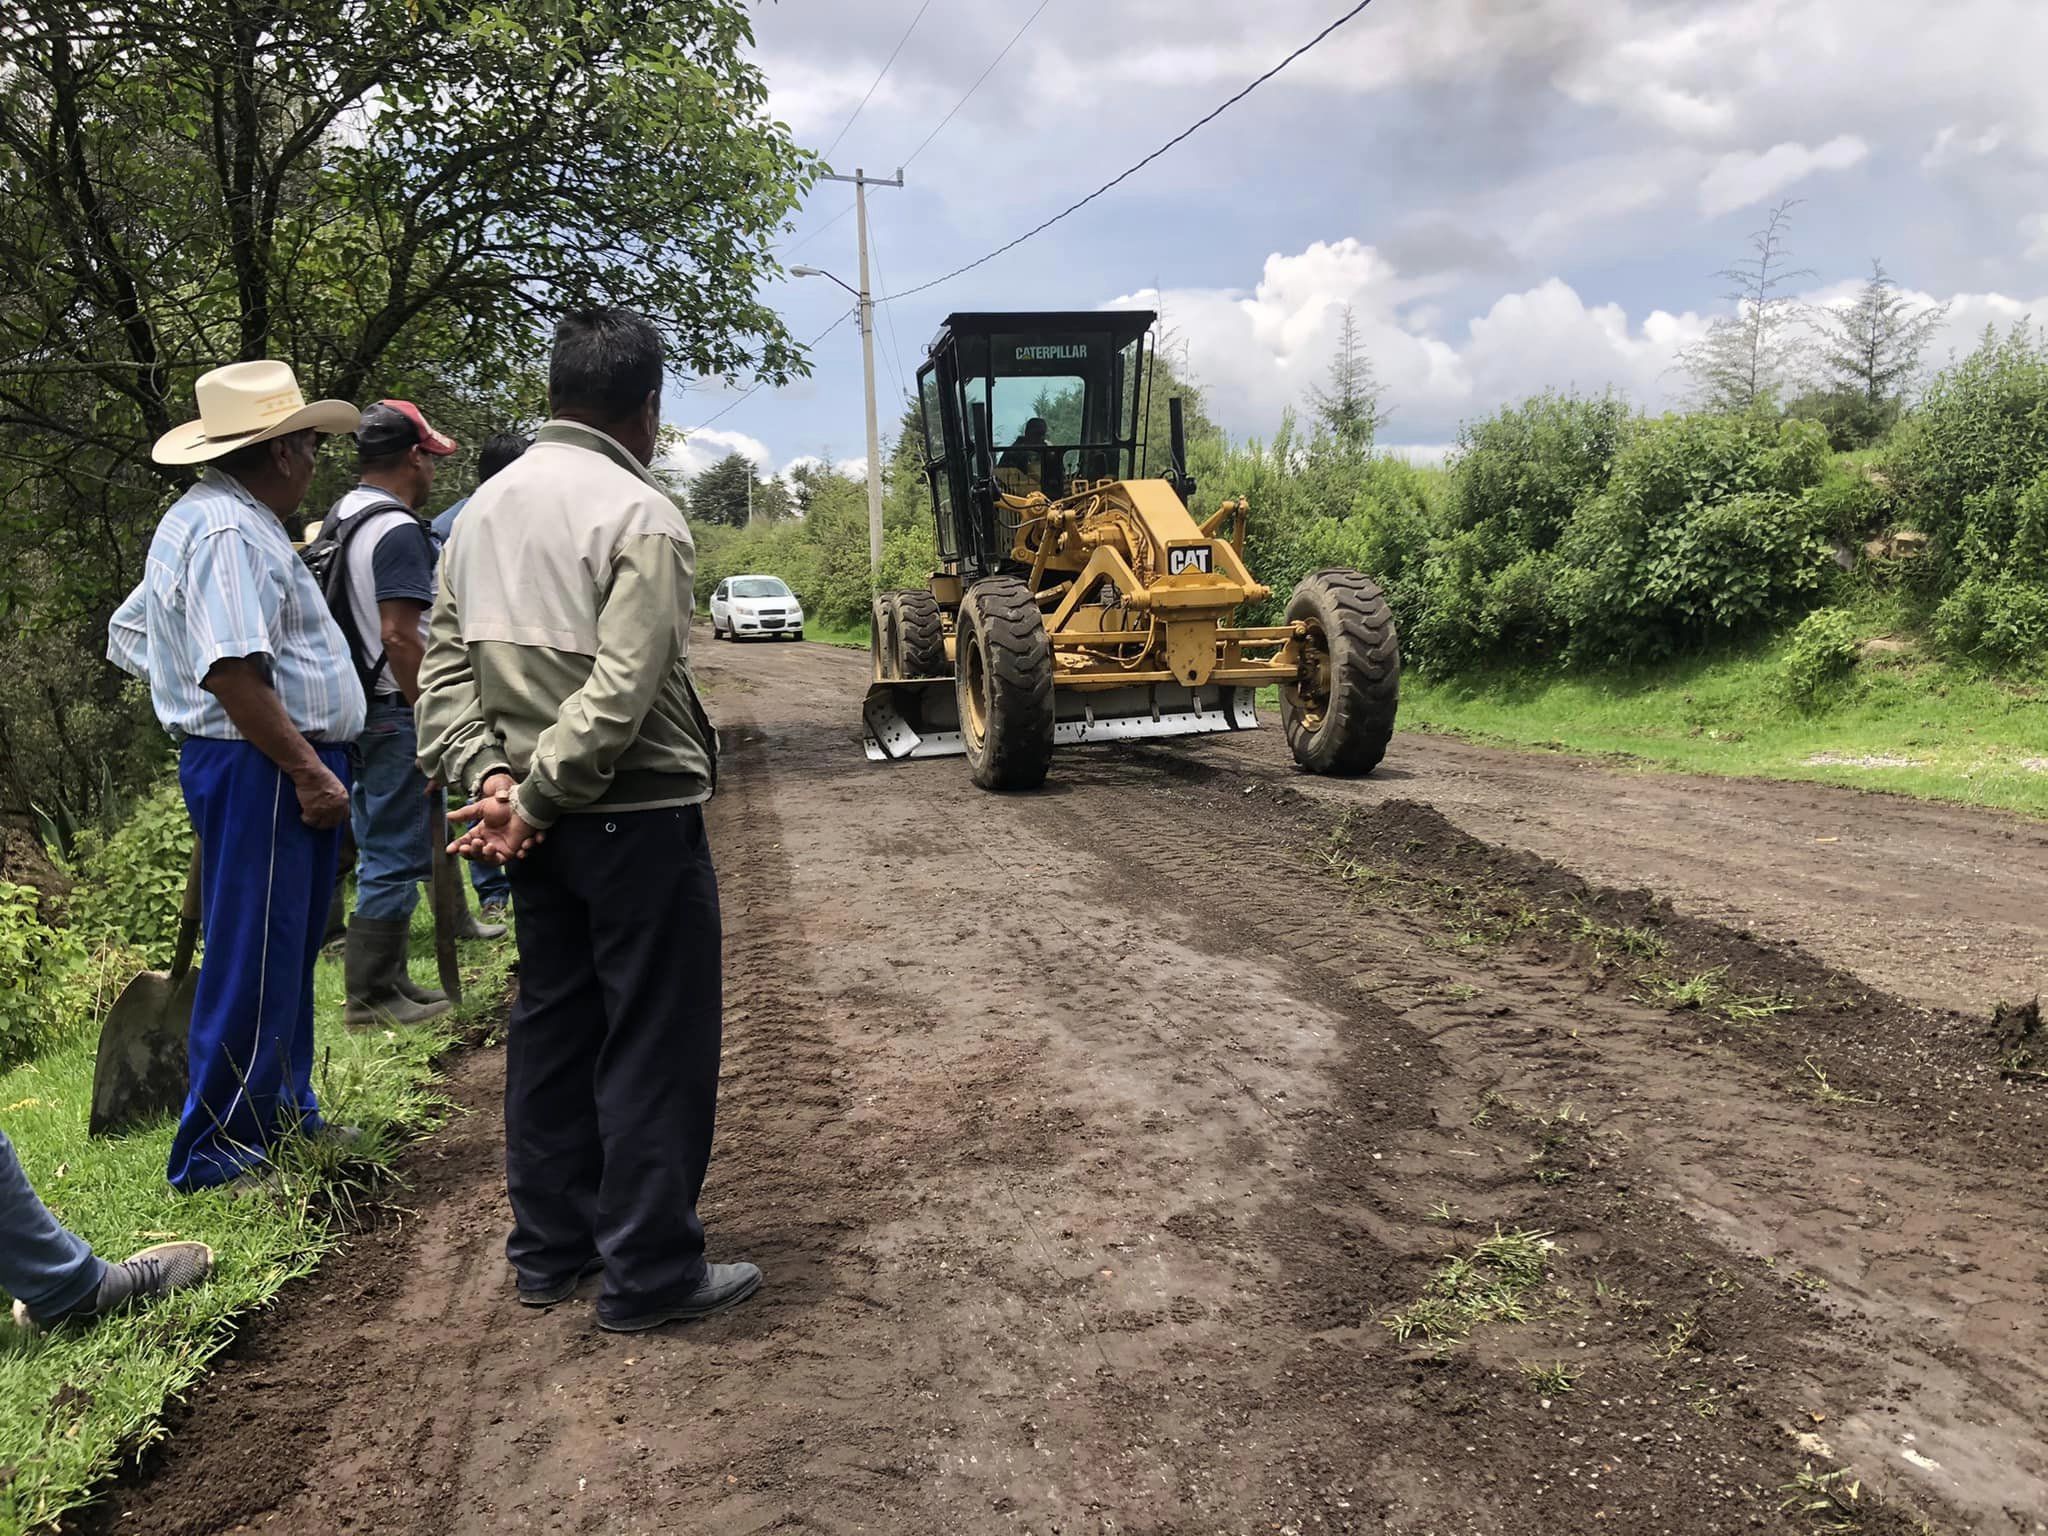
column 1997, row 621
column 42, row 971
column 1821, row 656
column 1522, row 472
column 1970, row 464
column 1482, row 590
column 1707, row 527
column 1848, row 506
column 132, row 881
column 1851, row 418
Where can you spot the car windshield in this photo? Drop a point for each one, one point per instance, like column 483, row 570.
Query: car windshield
column 759, row 586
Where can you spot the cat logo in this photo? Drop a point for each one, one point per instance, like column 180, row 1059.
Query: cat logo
column 1188, row 557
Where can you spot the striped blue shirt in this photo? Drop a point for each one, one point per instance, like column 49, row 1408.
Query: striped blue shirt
column 223, row 580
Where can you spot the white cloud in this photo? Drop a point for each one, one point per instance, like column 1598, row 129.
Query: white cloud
column 2034, row 230
column 1737, row 180
column 707, row 445
column 1952, row 144
column 1260, row 352
column 852, row 469
column 1431, row 455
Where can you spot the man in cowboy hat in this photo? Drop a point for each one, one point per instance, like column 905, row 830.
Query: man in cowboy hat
column 249, row 672
column 386, row 556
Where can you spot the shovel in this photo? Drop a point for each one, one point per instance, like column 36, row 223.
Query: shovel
column 140, row 1074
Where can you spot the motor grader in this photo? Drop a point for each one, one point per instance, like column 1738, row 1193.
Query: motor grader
column 1078, row 600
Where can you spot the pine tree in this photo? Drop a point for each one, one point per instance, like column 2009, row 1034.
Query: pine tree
column 721, row 493
column 1349, row 409
column 1745, row 358
column 1873, row 346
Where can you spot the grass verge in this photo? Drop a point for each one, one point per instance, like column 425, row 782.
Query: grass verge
column 854, row 638
column 1897, row 722
column 74, row 1403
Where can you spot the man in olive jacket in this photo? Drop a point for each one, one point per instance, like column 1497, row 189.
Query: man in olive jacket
column 556, row 693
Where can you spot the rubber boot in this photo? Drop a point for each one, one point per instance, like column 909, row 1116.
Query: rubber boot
column 416, row 992
column 370, row 976
column 473, row 929
column 337, row 914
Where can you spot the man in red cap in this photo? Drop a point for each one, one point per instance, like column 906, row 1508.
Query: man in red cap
column 387, row 557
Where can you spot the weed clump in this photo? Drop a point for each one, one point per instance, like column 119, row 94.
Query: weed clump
column 1487, row 1285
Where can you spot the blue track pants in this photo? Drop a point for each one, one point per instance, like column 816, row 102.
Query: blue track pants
column 265, row 879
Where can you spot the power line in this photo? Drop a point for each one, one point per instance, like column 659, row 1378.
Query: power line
column 807, row 239
column 743, row 399
column 1178, row 138
column 1042, row 4
column 888, row 316
column 827, row 155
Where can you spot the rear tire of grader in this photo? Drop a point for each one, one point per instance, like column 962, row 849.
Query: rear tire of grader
column 920, row 634
column 906, row 636
column 1003, row 681
column 1340, row 716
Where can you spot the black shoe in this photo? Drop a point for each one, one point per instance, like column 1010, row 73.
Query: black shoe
column 724, row 1285
column 561, row 1290
column 153, row 1272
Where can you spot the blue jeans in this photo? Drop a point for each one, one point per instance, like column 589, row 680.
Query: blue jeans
column 42, row 1265
column 265, row 880
column 388, row 813
column 492, row 881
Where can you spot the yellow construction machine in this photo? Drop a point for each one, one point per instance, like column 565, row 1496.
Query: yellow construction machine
column 1078, row 600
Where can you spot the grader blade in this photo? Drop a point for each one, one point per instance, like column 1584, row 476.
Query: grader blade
column 1143, row 713
column 911, row 719
column 921, row 719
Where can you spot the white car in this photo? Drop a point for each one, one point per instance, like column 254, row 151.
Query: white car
column 755, row 605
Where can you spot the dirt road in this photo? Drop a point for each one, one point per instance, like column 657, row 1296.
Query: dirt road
column 1094, row 1142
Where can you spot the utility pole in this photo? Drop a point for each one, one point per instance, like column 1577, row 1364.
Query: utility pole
column 861, row 182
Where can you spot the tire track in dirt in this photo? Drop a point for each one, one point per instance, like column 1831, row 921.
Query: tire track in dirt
column 1941, row 1346
column 1938, row 903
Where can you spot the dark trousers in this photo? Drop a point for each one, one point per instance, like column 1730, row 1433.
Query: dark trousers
column 611, row 1065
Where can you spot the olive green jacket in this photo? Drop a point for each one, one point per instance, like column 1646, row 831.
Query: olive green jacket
column 559, row 644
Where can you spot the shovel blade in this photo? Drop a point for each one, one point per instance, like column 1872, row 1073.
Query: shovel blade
column 140, row 1074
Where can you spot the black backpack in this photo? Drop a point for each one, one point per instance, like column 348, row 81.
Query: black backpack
column 326, row 556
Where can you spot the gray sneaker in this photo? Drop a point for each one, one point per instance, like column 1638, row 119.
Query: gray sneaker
column 153, row 1272
column 724, row 1285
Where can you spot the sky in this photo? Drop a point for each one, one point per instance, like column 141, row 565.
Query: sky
column 1511, row 194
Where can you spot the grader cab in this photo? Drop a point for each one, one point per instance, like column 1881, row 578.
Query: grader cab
column 1078, row 600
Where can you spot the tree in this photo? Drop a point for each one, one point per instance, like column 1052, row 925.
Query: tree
column 252, row 178
column 1173, row 378
column 1870, row 352
column 723, row 493
column 1349, row 409
column 397, row 196
column 1745, row 358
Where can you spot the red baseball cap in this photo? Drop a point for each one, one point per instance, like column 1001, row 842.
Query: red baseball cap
column 392, row 426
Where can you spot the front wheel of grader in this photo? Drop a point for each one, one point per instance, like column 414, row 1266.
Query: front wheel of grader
column 1339, row 714
column 1003, row 678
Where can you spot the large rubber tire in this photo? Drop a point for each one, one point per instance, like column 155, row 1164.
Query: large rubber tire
column 920, row 634
column 1003, row 682
column 882, row 636
column 1340, row 718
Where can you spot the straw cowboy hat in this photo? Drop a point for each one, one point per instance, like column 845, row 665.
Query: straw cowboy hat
column 246, row 403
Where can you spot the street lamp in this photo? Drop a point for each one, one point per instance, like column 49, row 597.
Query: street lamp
column 867, row 360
